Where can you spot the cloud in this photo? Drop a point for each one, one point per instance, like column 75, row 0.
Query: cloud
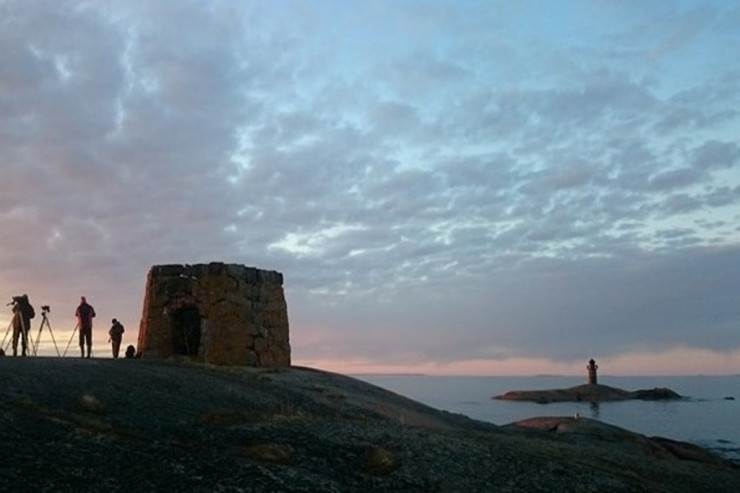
column 461, row 180
column 558, row 309
column 715, row 154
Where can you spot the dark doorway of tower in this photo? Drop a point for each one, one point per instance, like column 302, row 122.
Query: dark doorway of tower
column 185, row 331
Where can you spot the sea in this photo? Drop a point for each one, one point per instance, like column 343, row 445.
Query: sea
column 708, row 415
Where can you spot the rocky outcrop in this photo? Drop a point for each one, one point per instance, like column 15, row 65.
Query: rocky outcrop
column 593, row 430
column 223, row 314
column 89, row 425
column 588, row 393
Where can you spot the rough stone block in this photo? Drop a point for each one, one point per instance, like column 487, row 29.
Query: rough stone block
column 169, row 270
column 225, row 314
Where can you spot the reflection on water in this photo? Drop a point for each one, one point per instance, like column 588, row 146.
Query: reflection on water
column 594, row 410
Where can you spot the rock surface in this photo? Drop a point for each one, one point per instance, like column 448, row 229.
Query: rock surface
column 151, row 425
column 588, row 393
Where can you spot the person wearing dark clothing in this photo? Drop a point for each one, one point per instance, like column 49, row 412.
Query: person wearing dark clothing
column 23, row 312
column 85, row 313
column 116, row 334
column 130, row 351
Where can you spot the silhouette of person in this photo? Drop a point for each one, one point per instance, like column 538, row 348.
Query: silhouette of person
column 85, row 313
column 23, row 312
column 116, row 334
column 130, row 351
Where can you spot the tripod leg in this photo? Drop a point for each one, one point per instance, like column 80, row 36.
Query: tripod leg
column 35, row 344
column 2, row 346
column 52, row 335
column 70, row 340
column 25, row 350
column 15, row 324
column 44, row 321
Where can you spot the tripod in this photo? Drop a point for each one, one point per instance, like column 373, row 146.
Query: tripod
column 77, row 327
column 2, row 346
column 23, row 334
column 70, row 339
column 44, row 321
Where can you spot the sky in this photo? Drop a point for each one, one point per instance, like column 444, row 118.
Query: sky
column 481, row 187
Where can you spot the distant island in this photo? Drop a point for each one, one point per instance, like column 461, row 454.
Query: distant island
column 590, row 392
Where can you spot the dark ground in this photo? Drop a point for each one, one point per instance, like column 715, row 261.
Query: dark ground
column 141, row 425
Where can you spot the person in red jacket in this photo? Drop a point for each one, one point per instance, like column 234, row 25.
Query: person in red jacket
column 85, row 313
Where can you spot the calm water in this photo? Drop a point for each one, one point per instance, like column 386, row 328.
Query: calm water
column 705, row 417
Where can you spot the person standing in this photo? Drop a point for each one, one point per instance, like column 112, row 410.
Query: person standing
column 23, row 312
column 116, row 334
column 85, row 313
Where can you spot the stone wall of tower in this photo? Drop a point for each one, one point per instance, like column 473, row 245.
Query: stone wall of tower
column 223, row 314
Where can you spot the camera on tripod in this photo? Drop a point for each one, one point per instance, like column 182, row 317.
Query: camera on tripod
column 16, row 299
column 45, row 308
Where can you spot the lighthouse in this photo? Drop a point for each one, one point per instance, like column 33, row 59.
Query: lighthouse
column 592, row 367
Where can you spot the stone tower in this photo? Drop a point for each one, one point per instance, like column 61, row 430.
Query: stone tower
column 223, row 314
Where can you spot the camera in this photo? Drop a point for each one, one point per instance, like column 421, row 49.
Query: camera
column 45, row 308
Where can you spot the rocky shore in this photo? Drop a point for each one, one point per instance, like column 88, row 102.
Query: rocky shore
column 143, row 425
column 588, row 393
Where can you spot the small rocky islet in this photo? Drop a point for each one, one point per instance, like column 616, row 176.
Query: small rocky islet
column 589, row 392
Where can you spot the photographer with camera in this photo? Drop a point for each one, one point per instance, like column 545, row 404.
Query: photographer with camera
column 23, row 312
